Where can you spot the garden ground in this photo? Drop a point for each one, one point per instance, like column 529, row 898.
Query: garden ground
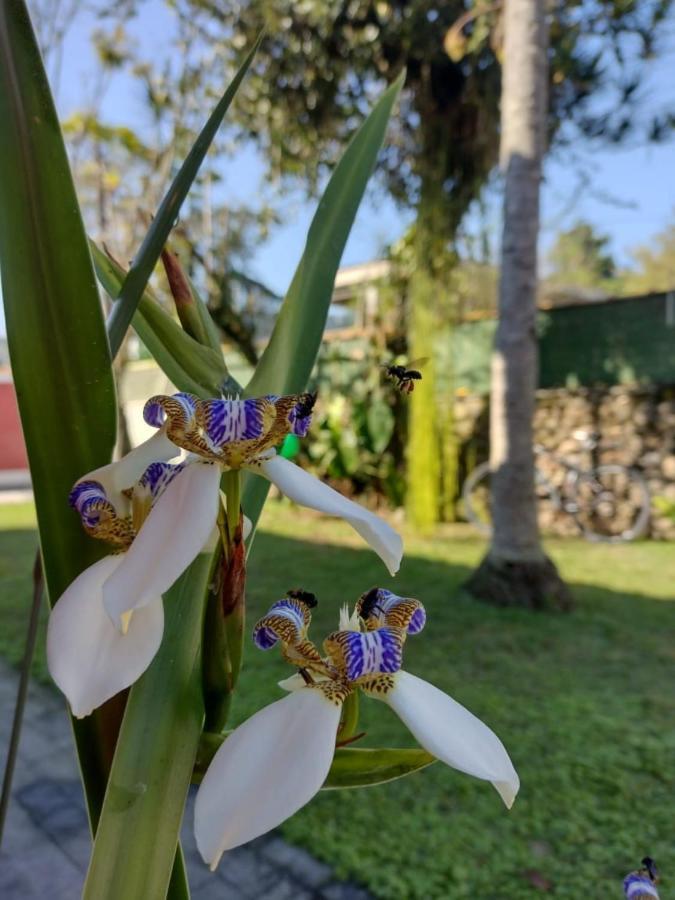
column 584, row 703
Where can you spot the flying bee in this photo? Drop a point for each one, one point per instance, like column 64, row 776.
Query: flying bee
column 405, row 376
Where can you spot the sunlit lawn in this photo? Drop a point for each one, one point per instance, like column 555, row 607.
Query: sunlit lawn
column 585, row 704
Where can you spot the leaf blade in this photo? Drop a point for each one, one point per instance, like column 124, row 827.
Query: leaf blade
column 289, row 357
column 136, row 841
column 352, row 767
column 355, row 767
column 190, row 366
column 145, row 260
column 54, row 327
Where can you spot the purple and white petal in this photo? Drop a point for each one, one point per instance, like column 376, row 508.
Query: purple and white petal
column 118, row 476
column 306, row 490
column 178, row 527
column 286, row 620
column 451, row 733
column 88, row 658
column 90, row 500
column 265, row 771
column 359, row 654
column 157, row 477
column 232, row 420
column 182, row 408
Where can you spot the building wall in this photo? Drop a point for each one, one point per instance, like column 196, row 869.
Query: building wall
column 12, row 448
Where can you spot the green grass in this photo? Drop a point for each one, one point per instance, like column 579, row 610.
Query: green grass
column 584, row 704
column 18, row 545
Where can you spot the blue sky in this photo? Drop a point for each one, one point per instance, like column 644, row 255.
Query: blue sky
column 640, row 180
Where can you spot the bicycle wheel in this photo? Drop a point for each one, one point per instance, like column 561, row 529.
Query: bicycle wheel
column 477, row 499
column 612, row 504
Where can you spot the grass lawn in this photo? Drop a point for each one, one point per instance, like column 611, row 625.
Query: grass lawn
column 584, row 703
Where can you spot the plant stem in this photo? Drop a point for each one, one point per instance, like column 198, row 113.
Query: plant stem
column 231, row 485
column 225, row 613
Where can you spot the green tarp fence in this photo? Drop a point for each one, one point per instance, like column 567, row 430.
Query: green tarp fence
column 622, row 341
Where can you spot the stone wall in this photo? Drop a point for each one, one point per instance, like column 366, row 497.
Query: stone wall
column 636, row 427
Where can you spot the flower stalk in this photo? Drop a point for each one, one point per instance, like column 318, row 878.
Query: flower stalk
column 225, row 610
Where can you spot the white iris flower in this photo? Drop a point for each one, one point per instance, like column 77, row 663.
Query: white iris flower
column 276, row 761
column 107, row 626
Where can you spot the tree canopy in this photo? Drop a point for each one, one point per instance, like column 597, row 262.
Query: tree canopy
column 322, row 62
column 580, row 258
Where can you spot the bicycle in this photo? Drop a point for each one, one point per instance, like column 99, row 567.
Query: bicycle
column 608, row 503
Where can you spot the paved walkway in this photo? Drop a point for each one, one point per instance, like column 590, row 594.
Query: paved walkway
column 46, row 845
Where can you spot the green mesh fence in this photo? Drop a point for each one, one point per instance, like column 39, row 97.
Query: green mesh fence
column 624, row 341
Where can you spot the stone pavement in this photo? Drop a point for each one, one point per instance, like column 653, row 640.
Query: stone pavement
column 46, row 844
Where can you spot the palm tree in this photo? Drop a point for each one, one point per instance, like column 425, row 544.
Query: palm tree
column 515, row 570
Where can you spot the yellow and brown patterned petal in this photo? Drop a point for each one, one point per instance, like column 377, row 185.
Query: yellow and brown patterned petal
column 179, row 414
column 99, row 517
column 379, row 607
column 287, row 622
column 230, row 432
column 335, row 691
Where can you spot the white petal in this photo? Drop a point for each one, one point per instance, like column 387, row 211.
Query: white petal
column 88, row 658
column 452, row 734
column 266, row 770
column 296, row 682
column 293, row 683
column 177, row 528
column 306, row 490
column 124, row 473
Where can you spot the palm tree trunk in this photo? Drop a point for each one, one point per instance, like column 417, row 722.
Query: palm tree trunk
column 515, row 570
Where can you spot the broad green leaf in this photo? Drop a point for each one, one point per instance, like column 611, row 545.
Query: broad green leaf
column 145, row 260
column 190, row 366
column 355, row 767
column 143, row 808
column 287, row 362
column 57, row 341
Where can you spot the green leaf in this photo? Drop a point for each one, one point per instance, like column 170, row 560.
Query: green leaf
column 287, row 362
column 189, row 365
column 352, row 767
column 143, row 808
column 148, row 254
column 361, row 767
column 57, row 341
